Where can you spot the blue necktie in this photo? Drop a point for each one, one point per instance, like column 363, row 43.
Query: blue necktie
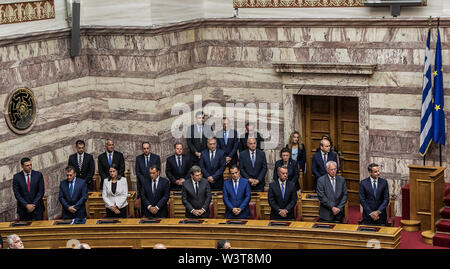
column 235, row 187
column 282, row 189
column 110, row 159
column 154, row 187
column 253, row 159
column 225, row 137
column 71, row 188
column 212, row 156
column 179, row 163
column 374, row 189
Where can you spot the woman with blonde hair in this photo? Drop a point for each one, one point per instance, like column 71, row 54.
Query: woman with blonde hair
column 297, row 148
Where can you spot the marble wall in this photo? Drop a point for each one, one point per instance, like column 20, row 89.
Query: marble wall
column 125, row 82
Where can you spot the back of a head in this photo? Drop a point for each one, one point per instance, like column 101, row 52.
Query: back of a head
column 221, row 244
column 159, row 246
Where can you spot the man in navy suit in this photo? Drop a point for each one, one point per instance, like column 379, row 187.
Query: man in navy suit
column 196, row 137
column 155, row 194
column 282, row 196
column 143, row 163
column 177, row 167
column 107, row 158
column 28, row 188
column 84, row 164
column 236, row 196
column 73, row 195
column 319, row 160
column 374, row 197
column 228, row 141
column 253, row 165
column 212, row 163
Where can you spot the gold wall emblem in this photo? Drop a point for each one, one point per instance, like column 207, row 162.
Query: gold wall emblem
column 27, row 11
column 298, row 3
column 21, row 110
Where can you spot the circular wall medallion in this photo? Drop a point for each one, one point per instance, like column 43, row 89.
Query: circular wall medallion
column 21, row 110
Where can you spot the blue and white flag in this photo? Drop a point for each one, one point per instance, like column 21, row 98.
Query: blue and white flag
column 438, row 96
column 426, row 121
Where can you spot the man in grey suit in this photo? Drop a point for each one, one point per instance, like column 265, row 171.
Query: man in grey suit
column 196, row 194
column 332, row 192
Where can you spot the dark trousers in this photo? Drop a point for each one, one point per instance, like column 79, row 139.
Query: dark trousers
column 122, row 214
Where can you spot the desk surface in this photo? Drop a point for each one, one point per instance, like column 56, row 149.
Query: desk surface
column 129, row 233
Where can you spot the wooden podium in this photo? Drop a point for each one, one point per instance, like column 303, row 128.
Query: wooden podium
column 426, row 185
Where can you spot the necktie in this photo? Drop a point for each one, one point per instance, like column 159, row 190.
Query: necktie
column 235, row 187
column 196, row 188
column 71, row 188
column 179, row 162
column 28, row 182
column 110, row 159
column 282, row 189
column 333, row 182
column 225, row 137
column 200, row 131
column 374, row 188
column 253, row 159
column 146, row 161
column 212, row 156
column 325, row 159
column 154, row 187
column 80, row 162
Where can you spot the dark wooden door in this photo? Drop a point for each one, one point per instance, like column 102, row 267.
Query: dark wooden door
column 338, row 117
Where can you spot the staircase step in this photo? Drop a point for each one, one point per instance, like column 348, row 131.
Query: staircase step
column 447, row 189
column 441, row 240
column 443, row 226
column 447, row 200
column 445, row 213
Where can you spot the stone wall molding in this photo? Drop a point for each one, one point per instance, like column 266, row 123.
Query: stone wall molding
column 325, row 68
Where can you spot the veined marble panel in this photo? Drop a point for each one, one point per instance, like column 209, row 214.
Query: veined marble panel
column 164, row 12
column 116, row 13
column 395, row 101
column 400, row 123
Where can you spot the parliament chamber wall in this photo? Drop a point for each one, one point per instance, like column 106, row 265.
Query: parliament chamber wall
column 126, row 79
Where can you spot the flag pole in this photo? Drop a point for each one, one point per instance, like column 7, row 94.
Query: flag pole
column 440, row 145
column 430, row 26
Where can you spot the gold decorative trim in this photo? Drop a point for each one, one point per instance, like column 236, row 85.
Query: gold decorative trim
column 21, row 110
column 298, row 3
column 27, row 11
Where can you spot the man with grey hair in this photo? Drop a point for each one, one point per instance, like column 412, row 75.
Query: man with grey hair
column 332, row 192
column 282, row 196
column 107, row 158
column 196, row 194
column 14, row 242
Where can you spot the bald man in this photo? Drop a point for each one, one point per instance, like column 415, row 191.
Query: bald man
column 319, row 160
column 253, row 166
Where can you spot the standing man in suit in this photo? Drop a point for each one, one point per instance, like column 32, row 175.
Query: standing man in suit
column 236, row 196
column 196, row 137
column 374, row 197
column 212, row 163
column 107, row 158
column 155, row 194
column 332, row 192
column 28, row 188
column 177, row 167
column 253, row 165
column 196, row 195
column 73, row 195
column 228, row 141
column 250, row 132
column 319, row 160
column 143, row 163
column 282, row 196
column 84, row 164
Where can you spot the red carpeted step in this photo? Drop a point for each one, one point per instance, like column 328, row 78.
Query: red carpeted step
column 447, row 189
column 445, row 213
column 447, row 200
column 441, row 240
column 443, row 226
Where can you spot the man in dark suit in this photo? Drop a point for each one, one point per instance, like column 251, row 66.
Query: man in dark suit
column 196, row 137
column 84, row 164
column 292, row 166
column 212, row 163
column 319, row 160
column 332, row 193
column 250, row 132
column 236, row 196
column 177, row 167
column 28, row 188
column 228, row 141
column 155, row 194
column 196, row 195
column 73, row 195
column 107, row 158
column 374, row 197
column 143, row 163
column 253, row 165
column 282, row 196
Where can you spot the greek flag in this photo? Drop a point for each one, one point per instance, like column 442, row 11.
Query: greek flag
column 426, row 121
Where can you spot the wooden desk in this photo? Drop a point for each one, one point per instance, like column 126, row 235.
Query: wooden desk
column 95, row 206
column 254, row 234
column 310, row 207
column 176, row 207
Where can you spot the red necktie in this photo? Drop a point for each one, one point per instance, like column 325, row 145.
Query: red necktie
column 28, row 182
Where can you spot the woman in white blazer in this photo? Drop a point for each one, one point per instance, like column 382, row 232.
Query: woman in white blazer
column 115, row 193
